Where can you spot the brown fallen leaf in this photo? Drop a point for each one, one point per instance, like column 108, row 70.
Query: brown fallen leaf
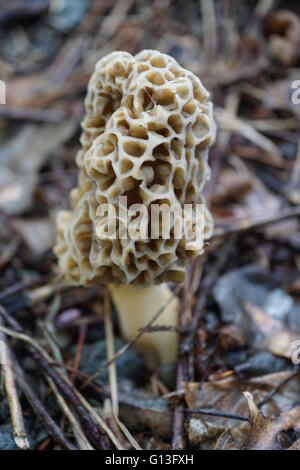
column 200, row 431
column 260, row 425
column 278, row 338
column 227, row 396
column 264, row 430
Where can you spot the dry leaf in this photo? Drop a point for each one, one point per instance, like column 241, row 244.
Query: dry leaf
column 279, row 339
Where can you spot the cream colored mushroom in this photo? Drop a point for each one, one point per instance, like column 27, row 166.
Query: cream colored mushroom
column 146, row 134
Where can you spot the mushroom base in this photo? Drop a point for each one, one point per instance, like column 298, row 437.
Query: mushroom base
column 136, row 307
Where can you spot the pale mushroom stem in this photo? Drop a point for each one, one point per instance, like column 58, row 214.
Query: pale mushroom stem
column 136, row 308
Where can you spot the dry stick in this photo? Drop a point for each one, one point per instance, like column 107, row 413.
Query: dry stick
column 221, row 414
column 109, row 333
column 114, row 19
column 94, row 435
column 110, row 348
column 205, row 286
column 95, row 384
column 33, row 114
column 111, row 422
column 82, row 441
column 209, row 27
column 295, row 174
column 15, row 409
column 79, row 349
column 293, row 185
column 263, row 8
column 97, row 418
column 19, row 286
column 178, row 441
column 133, row 341
column 39, row 409
column 100, row 421
column 250, row 225
column 222, row 145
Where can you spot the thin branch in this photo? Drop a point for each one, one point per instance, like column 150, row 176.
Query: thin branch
column 39, row 409
column 110, row 348
column 82, row 441
column 42, row 359
column 178, row 441
column 220, row 414
column 110, row 344
column 204, row 289
column 253, row 225
column 15, row 409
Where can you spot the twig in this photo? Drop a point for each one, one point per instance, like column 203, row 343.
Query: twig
column 15, row 409
column 39, row 409
column 178, row 441
column 97, row 418
column 79, row 349
column 115, row 18
column 263, row 8
column 295, row 174
column 209, row 27
column 110, row 347
column 221, row 414
column 82, row 441
column 294, row 182
column 253, row 225
column 19, row 286
column 96, row 384
column 42, row 360
column 34, row 114
column 222, row 146
column 229, row 122
column 204, row 289
column 109, row 334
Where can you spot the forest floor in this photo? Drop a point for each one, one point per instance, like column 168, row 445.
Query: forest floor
column 236, row 384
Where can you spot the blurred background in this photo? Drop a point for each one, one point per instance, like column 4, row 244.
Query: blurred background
column 247, row 53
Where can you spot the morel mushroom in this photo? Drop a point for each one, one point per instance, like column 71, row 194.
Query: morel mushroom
column 146, row 134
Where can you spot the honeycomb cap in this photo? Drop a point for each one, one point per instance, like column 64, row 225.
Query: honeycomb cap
column 146, row 134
